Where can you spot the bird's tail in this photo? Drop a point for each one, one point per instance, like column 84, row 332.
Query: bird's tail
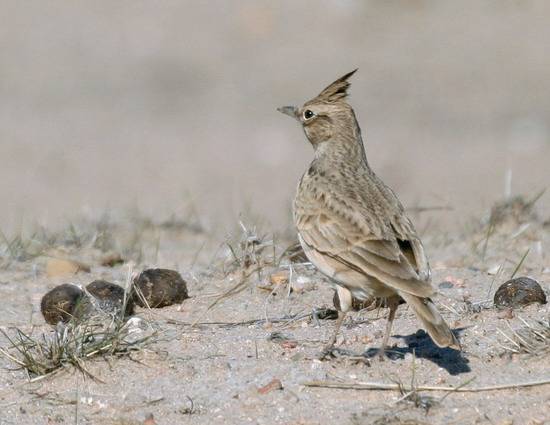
column 432, row 320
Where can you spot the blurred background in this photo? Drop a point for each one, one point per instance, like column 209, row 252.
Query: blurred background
column 170, row 106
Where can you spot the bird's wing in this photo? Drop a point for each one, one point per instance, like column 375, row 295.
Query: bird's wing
column 359, row 240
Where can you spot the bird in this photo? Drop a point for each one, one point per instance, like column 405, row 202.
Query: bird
column 351, row 225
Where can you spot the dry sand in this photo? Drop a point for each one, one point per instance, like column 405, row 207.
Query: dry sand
column 167, row 110
column 213, row 372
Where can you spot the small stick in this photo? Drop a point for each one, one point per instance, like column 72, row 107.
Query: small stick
column 76, row 403
column 532, row 329
column 243, row 323
column 457, row 388
column 431, row 208
column 452, row 310
column 508, row 338
column 493, row 281
column 536, row 198
column 520, row 263
column 528, row 346
column 489, row 233
column 398, row 387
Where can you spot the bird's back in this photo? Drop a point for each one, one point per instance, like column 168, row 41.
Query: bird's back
column 348, row 212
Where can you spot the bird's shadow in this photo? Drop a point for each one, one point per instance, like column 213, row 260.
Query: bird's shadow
column 423, row 347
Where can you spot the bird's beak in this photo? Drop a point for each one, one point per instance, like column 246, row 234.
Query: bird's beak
column 291, row 111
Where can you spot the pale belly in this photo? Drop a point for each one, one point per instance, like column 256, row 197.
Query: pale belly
column 361, row 286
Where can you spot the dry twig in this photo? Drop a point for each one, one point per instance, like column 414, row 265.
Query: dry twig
column 399, row 387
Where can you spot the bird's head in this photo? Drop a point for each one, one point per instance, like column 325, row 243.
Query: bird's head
column 327, row 114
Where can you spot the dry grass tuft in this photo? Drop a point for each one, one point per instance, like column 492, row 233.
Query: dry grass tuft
column 248, row 258
column 243, row 257
column 532, row 338
column 73, row 344
column 129, row 234
column 510, row 230
column 20, row 248
column 248, row 251
column 389, row 419
column 517, row 209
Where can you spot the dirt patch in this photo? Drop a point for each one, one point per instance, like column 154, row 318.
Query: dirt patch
column 244, row 346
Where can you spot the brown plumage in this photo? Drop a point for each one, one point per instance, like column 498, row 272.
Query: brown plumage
column 351, row 225
column 369, row 304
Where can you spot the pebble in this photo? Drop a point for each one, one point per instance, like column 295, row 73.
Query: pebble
column 157, row 288
column 63, row 303
column 519, row 292
column 109, row 297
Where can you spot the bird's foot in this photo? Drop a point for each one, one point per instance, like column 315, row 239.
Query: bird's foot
column 327, row 353
column 379, row 354
column 331, row 352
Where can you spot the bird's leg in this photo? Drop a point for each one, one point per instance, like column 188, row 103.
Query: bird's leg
column 330, row 345
column 342, row 302
column 392, row 303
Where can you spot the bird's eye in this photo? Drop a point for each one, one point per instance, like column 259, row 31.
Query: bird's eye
column 308, row 114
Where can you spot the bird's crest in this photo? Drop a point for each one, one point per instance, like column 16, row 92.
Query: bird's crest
column 336, row 91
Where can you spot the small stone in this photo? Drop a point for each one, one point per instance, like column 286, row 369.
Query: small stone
column 456, row 281
column 274, row 384
column 519, row 292
column 303, row 284
column 112, row 260
column 290, row 344
column 278, row 337
column 63, row 303
column 60, row 267
column 365, row 339
column 279, row 278
column 149, row 420
column 326, row 314
column 157, row 288
column 446, row 285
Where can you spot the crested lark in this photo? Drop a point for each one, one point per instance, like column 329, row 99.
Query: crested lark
column 351, row 225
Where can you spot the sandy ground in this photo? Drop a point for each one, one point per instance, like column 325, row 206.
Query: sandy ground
column 150, row 129
column 212, row 373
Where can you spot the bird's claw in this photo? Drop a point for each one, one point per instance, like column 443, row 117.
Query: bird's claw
column 333, row 352
column 327, row 352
